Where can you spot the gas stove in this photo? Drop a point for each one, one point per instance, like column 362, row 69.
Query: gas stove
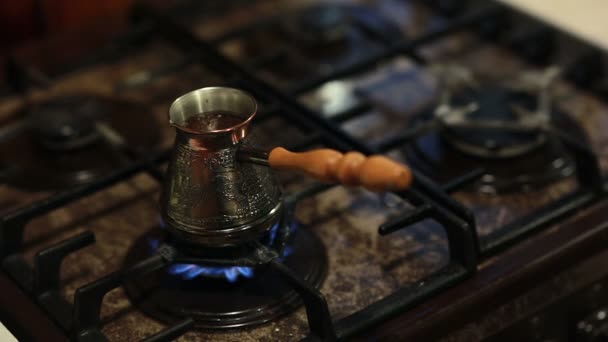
column 502, row 118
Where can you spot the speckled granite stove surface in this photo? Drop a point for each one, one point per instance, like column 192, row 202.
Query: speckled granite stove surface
column 363, row 267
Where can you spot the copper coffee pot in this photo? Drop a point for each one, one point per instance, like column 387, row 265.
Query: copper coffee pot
column 219, row 191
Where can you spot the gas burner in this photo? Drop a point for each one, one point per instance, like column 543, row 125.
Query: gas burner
column 67, row 123
column 547, row 163
column 318, row 37
column 224, row 297
column 502, row 129
column 63, row 141
column 319, row 25
column 494, row 121
column 494, row 125
column 337, row 28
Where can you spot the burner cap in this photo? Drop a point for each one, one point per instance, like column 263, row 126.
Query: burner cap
column 497, row 105
column 59, row 144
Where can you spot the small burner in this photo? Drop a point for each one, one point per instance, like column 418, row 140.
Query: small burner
column 549, row 162
column 504, row 130
column 219, row 298
column 498, row 107
column 60, row 145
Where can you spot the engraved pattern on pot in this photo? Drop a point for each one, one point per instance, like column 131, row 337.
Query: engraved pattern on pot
column 211, row 189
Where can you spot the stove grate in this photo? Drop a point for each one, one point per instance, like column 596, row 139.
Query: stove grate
column 81, row 320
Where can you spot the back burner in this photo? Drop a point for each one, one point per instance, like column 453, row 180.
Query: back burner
column 316, row 38
column 319, row 25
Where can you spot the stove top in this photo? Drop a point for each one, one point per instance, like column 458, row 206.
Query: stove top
column 503, row 124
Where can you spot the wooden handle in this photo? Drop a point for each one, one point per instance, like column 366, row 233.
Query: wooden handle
column 376, row 173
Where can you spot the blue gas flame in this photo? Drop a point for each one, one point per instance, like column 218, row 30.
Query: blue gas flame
column 190, row 271
column 230, row 273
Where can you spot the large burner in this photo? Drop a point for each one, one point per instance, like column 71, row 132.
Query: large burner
column 218, row 298
column 315, row 38
column 504, row 129
column 63, row 141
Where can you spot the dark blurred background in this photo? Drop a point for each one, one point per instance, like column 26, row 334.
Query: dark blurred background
column 25, row 21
